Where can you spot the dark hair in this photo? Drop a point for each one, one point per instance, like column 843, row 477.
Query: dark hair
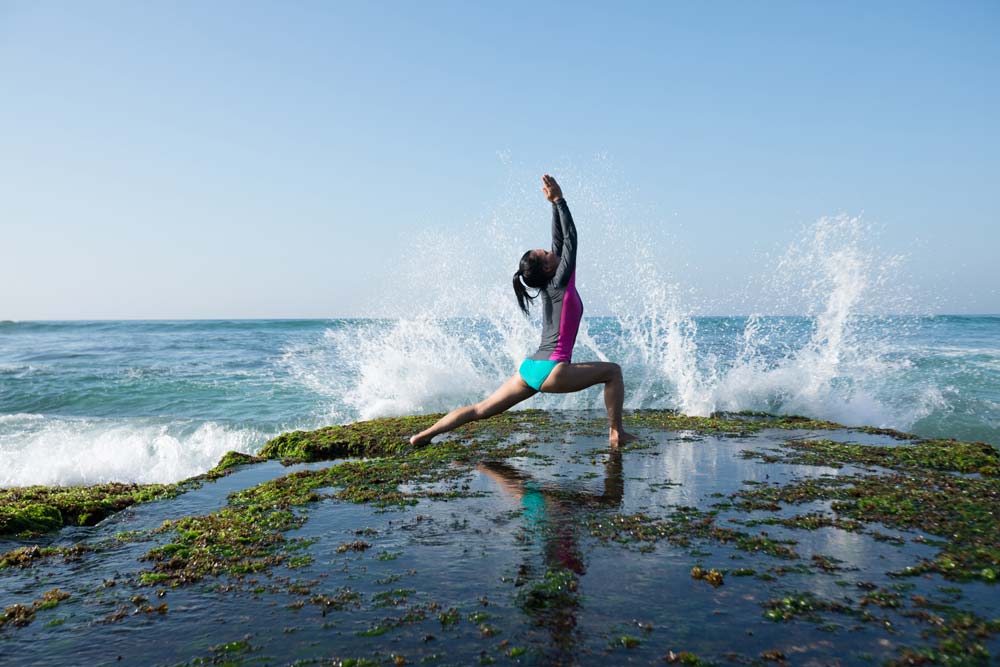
column 530, row 273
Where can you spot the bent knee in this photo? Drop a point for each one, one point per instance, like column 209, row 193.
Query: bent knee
column 615, row 371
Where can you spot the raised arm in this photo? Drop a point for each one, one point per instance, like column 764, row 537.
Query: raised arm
column 563, row 231
column 557, row 231
column 567, row 254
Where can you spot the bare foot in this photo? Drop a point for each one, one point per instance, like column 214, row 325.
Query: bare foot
column 418, row 441
column 620, row 437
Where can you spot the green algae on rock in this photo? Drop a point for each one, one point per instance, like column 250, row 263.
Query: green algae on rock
column 235, row 541
column 231, row 460
column 19, row 615
column 683, row 658
column 938, row 454
column 712, row 576
column 720, row 422
column 34, row 510
column 248, row 535
column 964, row 511
column 802, row 605
column 957, row 638
column 389, row 436
column 808, row 521
column 556, row 589
column 250, row 543
column 680, row 527
column 27, row 556
column 379, row 437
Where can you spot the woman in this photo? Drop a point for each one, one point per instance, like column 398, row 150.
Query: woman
column 550, row 369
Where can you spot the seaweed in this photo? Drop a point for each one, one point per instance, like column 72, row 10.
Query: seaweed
column 19, row 615
column 33, row 510
column 946, row 490
column 963, row 511
column 930, row 454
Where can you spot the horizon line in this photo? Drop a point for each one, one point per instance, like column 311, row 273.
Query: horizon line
column 368, row 317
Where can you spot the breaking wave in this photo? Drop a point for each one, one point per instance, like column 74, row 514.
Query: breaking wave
column 35, row 449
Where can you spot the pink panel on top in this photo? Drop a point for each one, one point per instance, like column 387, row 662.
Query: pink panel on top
column 569, row 322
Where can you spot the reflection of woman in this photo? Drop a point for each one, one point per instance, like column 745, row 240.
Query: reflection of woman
column 550, row 369
column 551, row 512
column 551, row 509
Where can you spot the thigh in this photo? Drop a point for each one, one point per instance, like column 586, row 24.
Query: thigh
column 566, row 378
column 510, row 393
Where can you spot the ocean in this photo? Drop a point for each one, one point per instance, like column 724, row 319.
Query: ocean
column 159, row 401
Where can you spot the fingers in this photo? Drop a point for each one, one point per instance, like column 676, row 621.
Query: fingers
column 550, row 187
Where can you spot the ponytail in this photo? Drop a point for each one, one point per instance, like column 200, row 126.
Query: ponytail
column 530, row 273
column 521, row 292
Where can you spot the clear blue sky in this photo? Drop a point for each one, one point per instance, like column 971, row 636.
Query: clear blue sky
column 241, row 159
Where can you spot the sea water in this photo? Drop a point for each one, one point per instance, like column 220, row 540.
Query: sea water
column 158, row 401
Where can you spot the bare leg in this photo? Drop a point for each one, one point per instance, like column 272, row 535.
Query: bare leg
column 566, row 378
column 510, row 393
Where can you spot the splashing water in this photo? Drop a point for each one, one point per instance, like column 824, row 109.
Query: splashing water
column 158, row 401
column 837, row 372
column 836, row 361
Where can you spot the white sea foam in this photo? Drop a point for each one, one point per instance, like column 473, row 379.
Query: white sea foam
column 60, row 451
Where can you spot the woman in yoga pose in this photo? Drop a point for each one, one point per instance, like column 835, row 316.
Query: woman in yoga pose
column 550, row 369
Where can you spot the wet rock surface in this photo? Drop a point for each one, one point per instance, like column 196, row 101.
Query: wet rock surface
column 737, row 539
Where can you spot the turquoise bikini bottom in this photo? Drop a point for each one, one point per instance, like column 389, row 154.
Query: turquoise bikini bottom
column 534, row 371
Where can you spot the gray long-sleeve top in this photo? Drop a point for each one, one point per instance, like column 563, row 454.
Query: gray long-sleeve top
column 562, row 308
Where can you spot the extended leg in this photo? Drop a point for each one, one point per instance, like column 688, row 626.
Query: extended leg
column 566, row 378
column 510, row 393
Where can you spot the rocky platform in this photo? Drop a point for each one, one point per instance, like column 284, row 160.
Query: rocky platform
column 736, row 539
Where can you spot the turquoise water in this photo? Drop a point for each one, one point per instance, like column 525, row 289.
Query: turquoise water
column 163, row 400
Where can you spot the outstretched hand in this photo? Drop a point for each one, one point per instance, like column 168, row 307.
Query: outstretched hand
column 551, row 189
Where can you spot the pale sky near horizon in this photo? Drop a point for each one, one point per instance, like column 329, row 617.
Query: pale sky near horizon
column 268, row 159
